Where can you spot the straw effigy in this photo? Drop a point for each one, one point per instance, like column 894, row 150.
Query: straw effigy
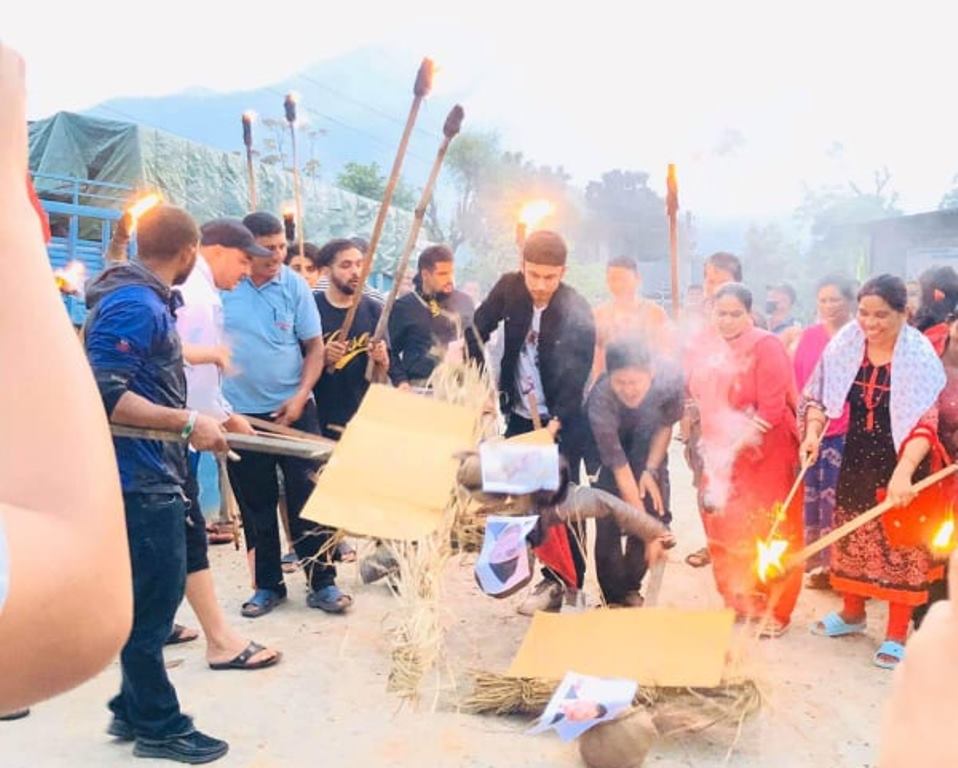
column 416, row 627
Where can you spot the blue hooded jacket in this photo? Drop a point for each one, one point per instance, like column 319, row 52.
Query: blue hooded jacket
column 132, row 345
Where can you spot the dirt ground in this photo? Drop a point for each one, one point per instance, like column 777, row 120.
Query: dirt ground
column 326, row 703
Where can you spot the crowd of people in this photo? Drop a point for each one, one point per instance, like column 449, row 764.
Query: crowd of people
column 215, row 328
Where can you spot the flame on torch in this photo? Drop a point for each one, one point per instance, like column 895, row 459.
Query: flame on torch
column 943, row 540
column 770, row 558
column 535, row 211
column 141, row 206
column 71, row 277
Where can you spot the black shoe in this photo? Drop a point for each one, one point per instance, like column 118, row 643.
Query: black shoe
column 193, row 748
column 18, row 715
column 120, row 730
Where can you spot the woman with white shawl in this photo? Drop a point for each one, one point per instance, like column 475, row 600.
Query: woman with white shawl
column 889, row 375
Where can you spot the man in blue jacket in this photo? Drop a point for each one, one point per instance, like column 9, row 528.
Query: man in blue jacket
column 134, row 350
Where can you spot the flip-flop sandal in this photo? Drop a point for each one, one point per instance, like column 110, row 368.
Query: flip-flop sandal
column 833, row 625
column 891, row 649
column 290, row 562
column 262, row 602
column 181, row 634
column 242, row 659
column 330, row 599
column 700, row 558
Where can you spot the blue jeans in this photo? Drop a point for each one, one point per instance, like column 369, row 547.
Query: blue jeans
column 147, row 700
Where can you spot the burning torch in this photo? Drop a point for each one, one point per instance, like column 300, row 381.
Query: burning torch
column 531, row 215
column 289, row 105
column 248, row 118
column 771, row 552
column 289, row 222
column 672, row 209
column 126, row 226
column 420, row 90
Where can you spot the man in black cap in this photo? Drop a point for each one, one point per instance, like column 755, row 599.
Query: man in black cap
column 225, row 256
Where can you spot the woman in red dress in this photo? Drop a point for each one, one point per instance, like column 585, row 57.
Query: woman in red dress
column 745, row 392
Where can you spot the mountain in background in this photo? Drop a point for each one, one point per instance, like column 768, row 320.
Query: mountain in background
column 357, row 103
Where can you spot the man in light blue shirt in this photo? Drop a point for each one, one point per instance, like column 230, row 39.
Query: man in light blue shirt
column 276, row 336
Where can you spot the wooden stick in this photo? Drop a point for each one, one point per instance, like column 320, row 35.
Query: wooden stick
column 865, row 517
column 450, row 131
column 672, row 209
column 280, row 429
column 254, row 443
column 533, row 402
column 226, row 495
column 420, row 90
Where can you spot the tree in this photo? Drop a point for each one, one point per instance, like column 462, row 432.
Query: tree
column 368, row 181
column 833, row 216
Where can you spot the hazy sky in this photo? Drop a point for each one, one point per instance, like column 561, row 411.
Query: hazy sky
column 750, row 99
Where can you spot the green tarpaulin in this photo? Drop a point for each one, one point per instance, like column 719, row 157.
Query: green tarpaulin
column 206, row 181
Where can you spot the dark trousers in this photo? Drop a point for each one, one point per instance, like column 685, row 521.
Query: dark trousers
column 256, row 488
column 197, row 546
column 147, row 700
column 618, row 571
column 571, row 447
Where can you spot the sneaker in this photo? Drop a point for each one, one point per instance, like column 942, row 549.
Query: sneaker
column 194, row 748
column 120, row 730
column 547, row 596
column 378, row 565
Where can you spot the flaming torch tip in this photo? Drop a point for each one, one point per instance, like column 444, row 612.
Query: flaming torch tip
column 770, row 558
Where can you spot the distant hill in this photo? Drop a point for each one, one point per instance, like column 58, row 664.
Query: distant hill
column 358, row 101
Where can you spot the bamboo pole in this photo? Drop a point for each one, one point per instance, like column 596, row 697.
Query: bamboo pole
column 250, row 172
column 450, row 130
column 421, row 89
column 865, row 517
column 672, row 208
column 289, row 105
column 253, row 443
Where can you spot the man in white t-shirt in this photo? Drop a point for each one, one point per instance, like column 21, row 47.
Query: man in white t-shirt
column 548, row 346
column 226, row 249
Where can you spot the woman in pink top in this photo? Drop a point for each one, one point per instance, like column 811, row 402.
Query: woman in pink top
column 836, row 298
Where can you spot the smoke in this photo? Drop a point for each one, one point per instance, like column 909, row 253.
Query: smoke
column 712, row 370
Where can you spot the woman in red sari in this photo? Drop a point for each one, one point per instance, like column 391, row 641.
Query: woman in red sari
column 745, row 392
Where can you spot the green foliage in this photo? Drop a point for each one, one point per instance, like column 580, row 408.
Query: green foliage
column 369, row 181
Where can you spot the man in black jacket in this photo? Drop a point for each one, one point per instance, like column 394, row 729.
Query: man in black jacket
column 547, row 358
column 430, row 322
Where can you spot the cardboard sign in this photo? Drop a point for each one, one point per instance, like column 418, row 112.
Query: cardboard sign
column 653, row 646
column 393, row 470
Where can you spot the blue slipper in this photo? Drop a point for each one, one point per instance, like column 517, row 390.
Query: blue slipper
column 889, row 648
column 833, row 625
column 330, row 599
column 261, row 603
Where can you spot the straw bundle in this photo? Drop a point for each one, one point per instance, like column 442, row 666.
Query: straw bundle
column 417, row 634
column 673, row 710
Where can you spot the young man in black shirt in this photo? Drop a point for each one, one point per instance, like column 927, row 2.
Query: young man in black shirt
column 549, row 343
column 343, row 384
column 430, row 322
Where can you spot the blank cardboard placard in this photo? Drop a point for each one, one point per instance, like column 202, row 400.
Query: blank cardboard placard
column 392, row 471
column 652, row 646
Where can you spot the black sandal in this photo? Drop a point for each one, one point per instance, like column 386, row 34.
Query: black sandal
column 181, row 634
column 241, row 660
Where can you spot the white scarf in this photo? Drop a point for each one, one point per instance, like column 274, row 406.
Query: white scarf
column 917, row 377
